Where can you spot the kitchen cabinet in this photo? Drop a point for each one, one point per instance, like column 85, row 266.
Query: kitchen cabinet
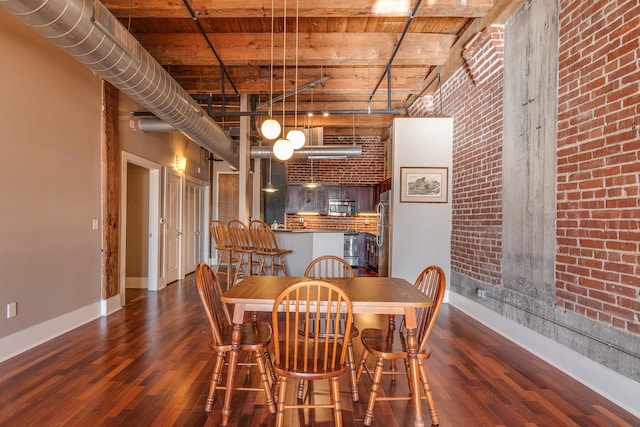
column 363, row 195
column 302, row 199
column 299, row 198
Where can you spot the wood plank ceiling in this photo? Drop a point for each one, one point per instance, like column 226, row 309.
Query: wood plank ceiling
column 349, row 43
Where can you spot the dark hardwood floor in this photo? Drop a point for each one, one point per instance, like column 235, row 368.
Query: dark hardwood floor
column 149, row 364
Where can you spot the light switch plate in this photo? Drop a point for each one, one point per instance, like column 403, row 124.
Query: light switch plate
column 12, row 309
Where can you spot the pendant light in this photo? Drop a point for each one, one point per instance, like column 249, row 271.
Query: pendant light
column 295, row 135
column 270, row 187
column 312, row 183
column 282, row 149
column 271, row 128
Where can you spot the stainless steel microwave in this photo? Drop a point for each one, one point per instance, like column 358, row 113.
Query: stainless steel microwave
column 342, row 207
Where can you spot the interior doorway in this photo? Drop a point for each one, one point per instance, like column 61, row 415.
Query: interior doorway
column 228, row 195
column 145, row 176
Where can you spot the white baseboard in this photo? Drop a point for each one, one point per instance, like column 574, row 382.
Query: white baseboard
column 26, row 339
column 617, row 388
column 111, row 305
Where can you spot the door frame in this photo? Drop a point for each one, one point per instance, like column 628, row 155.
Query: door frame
column 155, row 281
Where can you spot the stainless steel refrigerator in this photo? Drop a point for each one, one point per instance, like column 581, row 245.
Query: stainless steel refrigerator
column 383, row 232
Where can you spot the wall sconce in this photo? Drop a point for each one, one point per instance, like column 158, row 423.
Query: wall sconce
column 180, row 164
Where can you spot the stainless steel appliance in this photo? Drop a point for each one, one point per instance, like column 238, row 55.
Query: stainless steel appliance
column 383, row 232
column 351, row 248
column 342, row 207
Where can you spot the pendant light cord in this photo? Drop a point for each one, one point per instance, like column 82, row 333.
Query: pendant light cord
column 284, row 68
column 295, row 121
column 271, row 63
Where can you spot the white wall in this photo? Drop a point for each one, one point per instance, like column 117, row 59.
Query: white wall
column 420, row 232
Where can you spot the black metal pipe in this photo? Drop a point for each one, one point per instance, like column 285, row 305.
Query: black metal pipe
column 318, row 112
column 194, row 16
column 387, row 70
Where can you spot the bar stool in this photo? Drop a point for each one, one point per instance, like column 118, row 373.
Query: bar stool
column 270, row 256
column 220, row 234
column 242, row 247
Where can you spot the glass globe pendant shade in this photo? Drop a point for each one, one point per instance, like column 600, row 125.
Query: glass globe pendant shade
column 282, row 149
column 270, row 128
column 296, row 137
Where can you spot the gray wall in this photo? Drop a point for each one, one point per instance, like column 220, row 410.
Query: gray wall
column 50, row 115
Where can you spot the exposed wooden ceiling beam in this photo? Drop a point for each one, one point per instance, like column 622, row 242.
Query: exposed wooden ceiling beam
column 313, row 8
column 326, row 49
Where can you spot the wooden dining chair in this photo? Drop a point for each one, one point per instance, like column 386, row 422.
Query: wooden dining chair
column 270, row 256
column 255, row 337
column 307, row 356
column 391, row 344
column 333, row 267
column 222, row 241
column 242, row 247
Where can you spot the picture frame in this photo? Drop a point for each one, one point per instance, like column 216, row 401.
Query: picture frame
column 424, row 184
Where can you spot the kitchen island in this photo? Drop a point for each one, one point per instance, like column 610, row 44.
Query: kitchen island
column 308, row 245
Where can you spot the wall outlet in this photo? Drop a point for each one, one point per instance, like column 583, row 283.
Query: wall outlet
column 12, row 310
column 94, row 224
column 481, row 293
column 301, row 220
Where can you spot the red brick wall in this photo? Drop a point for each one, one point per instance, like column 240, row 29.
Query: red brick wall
column 476, row 244
column 598, row 210
column 339, row 223
column 366, row 170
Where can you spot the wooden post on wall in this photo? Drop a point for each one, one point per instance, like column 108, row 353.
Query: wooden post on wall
column 110, row 192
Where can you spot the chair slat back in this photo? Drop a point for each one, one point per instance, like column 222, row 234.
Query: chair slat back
column 239, row 234
column 432, row 283
column 298, row 305
column 329, row 267
column 210, row 296
column 260, row 235
column 220, row 233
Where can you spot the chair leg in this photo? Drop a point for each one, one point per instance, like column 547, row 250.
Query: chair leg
column 335, row 400
column 394, row 368
column 267, row 357
column 377, row 375
column 352, row 372
column 283, row 266
column 215, row 379
column 282, row 392
column 429, row 395
column 260, row 361
column 300, row 390
column 362, row 365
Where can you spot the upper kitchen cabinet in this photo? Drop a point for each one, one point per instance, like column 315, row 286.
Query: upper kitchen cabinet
column 363, row 196
column 302, row 199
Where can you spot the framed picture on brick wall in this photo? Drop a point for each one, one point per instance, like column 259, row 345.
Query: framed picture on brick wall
column 423, row 184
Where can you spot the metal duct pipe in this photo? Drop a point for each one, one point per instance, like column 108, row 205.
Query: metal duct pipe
column 87, row 31
column 320, row 152
column 155, row 125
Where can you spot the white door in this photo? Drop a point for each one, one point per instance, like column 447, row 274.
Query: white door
column 195, row 226
column 173, row 225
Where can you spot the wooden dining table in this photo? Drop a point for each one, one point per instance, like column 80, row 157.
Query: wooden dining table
column 373, row 295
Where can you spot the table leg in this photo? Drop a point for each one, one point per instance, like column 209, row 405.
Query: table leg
column 238, row 318
column 414, row 375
